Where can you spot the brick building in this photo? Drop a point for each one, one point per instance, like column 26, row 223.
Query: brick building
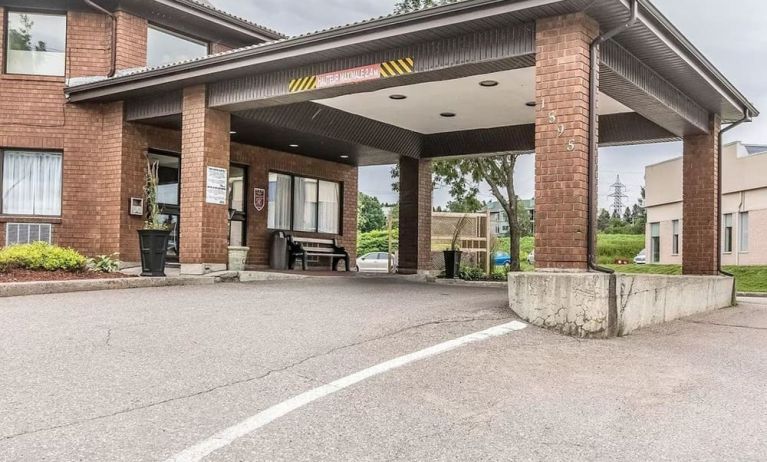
column 91, row 88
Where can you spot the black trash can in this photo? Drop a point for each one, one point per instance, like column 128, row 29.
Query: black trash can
column 278, row 256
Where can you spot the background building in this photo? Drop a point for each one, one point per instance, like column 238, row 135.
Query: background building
column 744, row 207
column 499, row 220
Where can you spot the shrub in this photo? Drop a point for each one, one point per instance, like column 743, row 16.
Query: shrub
column 471, row 273
column 104, row 264
column 41, row 256
column 376, row 241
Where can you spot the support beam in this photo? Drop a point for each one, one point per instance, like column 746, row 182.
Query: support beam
column 415, row 215
column 700, row 245
column 562, row 141
column 204, row 144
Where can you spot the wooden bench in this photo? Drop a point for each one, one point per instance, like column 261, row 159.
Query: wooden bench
column 303, row 248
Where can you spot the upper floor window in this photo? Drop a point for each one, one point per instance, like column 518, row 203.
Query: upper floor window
column 166, row 47
column 36, row 43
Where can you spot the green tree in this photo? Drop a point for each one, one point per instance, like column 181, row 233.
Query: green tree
column 627, row 216
column 604, row 220
column 467, row 204
column 370, row 214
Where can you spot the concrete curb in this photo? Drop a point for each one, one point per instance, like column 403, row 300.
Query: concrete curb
column 462, row 283
column 752, row 294
column 19, row 289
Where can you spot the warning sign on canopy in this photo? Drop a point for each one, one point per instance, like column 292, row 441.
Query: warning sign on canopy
column 358, row 74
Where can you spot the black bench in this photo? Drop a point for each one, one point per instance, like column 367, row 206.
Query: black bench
column 303, row 248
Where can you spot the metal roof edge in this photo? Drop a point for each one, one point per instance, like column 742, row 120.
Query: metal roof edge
column 696, row 54
column 260, row 30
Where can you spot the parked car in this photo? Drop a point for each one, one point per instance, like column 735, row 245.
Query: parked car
column 641, row 258
column 375, row 262
column 502, row 259
column 531, row 258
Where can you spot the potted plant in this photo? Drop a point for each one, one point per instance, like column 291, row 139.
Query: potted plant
column 453, row 255
column 153, row 239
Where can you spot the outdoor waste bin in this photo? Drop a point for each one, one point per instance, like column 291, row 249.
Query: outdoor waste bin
column 278, row 257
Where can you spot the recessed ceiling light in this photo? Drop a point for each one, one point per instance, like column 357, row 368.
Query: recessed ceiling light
column 531, row 104
column 488, row 83
column 293, row 145
column 448, row 114
column 344, row 156
column 398, row 97
column 232, row 132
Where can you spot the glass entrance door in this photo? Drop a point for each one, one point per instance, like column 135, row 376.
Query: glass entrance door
column 169, row 197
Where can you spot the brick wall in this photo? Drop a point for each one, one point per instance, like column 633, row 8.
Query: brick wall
column 415, row 215
column 561, row 160
column 700, row 209
column 131, row 40
column 260, row 162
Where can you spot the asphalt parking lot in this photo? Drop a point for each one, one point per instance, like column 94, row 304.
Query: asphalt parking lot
column 147, row 374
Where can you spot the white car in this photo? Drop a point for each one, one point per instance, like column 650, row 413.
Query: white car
column 375, row 262
column 641, row 258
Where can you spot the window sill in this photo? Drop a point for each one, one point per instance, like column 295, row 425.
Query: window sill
column 34, row 78
column 29, row 219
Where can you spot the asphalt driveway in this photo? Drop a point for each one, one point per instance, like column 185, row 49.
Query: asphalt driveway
column 145, row 374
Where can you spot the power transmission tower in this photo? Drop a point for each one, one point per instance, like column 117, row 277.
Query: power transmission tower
column 618, row 195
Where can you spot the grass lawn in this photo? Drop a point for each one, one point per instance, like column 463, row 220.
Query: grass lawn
column 747, row 278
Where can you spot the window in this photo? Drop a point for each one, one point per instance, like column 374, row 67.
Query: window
column 166, row 47
column 743, row 231
column 237, row 206
column 31, row 183
column 304, row 204
column 36, row 43
column 728, row 233
column 675, row 243
column 655, row 242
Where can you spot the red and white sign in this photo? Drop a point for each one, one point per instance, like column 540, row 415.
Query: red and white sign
column 358, row 74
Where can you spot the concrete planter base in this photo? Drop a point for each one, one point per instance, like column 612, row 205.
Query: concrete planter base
column 596, row 305
column 237, row 258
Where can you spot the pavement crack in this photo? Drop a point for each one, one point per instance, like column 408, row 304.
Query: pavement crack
column 738, row 326
column 242, row 381
column 109, row 337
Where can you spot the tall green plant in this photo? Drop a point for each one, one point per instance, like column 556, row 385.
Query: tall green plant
column 153, row 219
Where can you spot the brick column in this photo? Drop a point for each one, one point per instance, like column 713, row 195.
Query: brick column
column 204, row 143
column 414, row 215
column 700, row 243
column 131, row 41
column 561, row 141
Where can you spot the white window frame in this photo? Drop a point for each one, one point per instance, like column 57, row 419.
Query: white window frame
column 319, row 181
column 2, row 185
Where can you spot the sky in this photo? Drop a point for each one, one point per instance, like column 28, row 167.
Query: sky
column 730, row 34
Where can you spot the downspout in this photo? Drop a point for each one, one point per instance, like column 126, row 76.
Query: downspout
column 613, row 327
column 746, row 118
column 593, row 121
column 113, row 58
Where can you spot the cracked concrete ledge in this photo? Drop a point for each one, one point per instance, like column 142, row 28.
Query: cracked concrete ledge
column 462, row 283
column 19, row 289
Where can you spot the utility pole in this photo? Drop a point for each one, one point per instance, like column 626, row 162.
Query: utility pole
column 618, row 195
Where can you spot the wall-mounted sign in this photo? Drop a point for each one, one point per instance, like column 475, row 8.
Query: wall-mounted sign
column 137, row 206
column 354, row 75
column 259, row 198
column 215, row 191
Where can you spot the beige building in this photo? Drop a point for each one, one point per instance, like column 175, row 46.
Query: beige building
column 744, row 207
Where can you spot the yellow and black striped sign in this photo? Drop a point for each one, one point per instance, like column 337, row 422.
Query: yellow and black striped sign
column 397, row 67
column 392, row 68
column 303, row 84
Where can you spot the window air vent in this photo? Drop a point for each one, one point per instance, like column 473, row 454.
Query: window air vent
column 24, row 233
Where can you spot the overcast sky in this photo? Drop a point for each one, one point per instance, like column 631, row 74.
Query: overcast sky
column 731, row 34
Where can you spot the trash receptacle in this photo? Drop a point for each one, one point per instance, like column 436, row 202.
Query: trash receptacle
column 278, row 257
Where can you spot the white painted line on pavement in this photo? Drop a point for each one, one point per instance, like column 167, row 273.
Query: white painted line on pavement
column 226, row 437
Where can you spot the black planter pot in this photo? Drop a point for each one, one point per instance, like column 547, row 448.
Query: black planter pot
column 452, row 263
column 154, row 246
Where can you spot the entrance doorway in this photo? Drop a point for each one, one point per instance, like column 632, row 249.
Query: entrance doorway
column 169, row 197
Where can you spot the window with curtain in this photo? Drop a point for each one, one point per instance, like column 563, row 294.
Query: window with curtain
column 166, row 47
column 280, row 198
column 304, row 204
column 35, row 43
column 32, row 183
column 743, row 231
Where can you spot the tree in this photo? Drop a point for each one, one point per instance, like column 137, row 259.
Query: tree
column 627, row 216
column 604, row 220
column 370, row 214
column 466, row 204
